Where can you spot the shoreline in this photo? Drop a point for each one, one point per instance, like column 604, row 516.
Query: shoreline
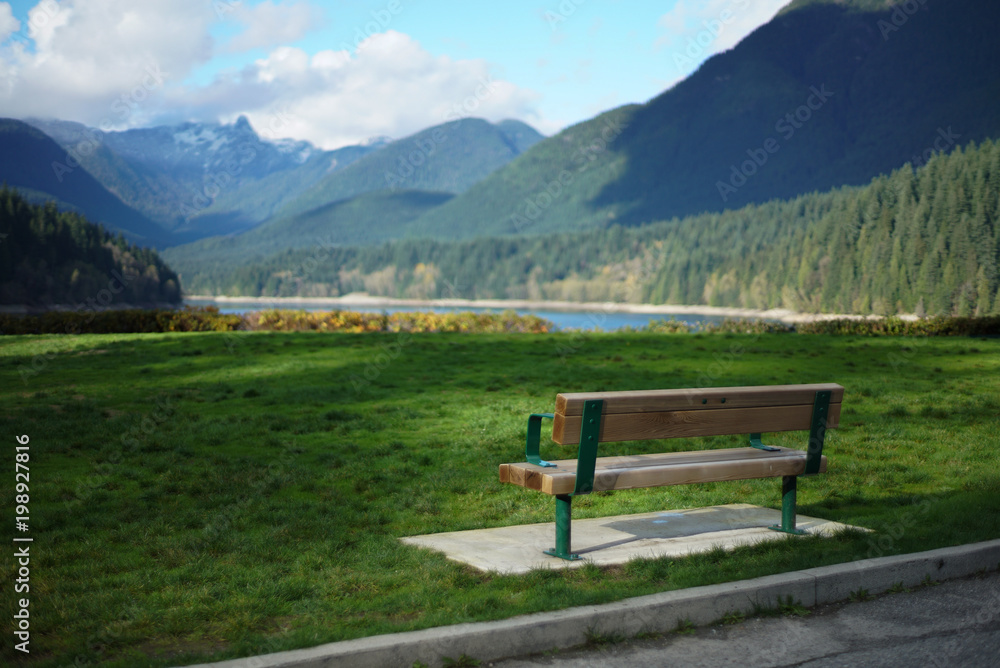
column 368, row 301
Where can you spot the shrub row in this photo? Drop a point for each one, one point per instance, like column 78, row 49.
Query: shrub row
column 120, row 321
column 892, row 326
column 208, row 319
column 728, row 326
column 350, row 321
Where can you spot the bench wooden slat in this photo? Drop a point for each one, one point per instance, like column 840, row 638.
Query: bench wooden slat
column 686, row 423
column 677, row 468
column 640, row 401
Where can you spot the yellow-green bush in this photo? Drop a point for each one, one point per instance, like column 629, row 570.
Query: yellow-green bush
column 208, row 319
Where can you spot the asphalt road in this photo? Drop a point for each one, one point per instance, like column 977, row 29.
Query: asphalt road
column 954, row 623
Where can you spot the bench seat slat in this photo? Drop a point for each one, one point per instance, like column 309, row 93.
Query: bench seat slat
column 677, row 468
column 688, row 423
column 640, row 401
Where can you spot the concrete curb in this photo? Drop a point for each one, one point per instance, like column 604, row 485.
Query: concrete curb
column 529, row 634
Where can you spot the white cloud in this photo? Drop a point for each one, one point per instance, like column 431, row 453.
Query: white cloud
column 269, row 24
column 8, row 24
column 119, row 63
column 103, row 60
column 391, row 86
column 693, row 30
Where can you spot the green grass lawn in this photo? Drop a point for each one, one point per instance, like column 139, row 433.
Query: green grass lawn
column 211, row 495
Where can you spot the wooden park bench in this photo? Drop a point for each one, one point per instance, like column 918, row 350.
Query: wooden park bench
column 602, row 417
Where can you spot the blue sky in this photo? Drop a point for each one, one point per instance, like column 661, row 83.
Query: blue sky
column 337, row 72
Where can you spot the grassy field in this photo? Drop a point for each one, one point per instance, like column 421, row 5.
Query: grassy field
column 211, row 495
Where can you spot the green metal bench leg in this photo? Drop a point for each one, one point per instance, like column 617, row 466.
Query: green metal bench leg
column 564, row 516
column 586, row 458
column 788, row 487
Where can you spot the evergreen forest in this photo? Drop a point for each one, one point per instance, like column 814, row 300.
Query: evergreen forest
column 51, row 257
column 919, row 241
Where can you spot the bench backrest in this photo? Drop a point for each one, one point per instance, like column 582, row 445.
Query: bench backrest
column 715, row 411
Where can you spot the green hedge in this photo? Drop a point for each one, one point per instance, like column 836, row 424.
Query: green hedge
column 208, row 319
column 877, row 326
column 893, row 326
column 120, row 321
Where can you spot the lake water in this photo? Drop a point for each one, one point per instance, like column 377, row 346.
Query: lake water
column 598, row 320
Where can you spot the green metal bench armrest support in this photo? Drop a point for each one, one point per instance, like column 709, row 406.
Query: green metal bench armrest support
column 531, row 442
column 586, row 458
column 814, row 454
column 755, row 443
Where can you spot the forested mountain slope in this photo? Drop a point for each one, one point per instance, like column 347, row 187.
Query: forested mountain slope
column 911, row 241
column 36, row 165
column 371, row 218
column 50, row 257
column 196, row 179
column 826, row 94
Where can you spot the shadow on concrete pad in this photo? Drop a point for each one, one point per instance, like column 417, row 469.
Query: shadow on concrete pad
column 618, row 539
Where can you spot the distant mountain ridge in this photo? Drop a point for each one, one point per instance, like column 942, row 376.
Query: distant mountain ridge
column 451, row 158
column 196, row 147
column 196, row 180
column 379, row 196
column 200, row 179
